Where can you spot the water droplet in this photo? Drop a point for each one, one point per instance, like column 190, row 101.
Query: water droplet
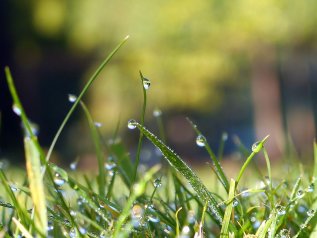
column 201, row 141
column 257, row 146
column 13, row 188
column 72, row 98
column 73, row 165
column 303, row 226
column 301, row 209
column 280, row 210
column 146, row 83
column 157, row 183
column 157, row 112
column 153, row 219
column 82, row 230
column 235, row 203
column 311, row 188
column 185, row 230
column 50, row 226
column 253, row 219
column 132, row 124
column 72, row 233
column 58, row 180
column 110, row 165
column 300, row 193
column 224, row 136
column 16, row 109
column 72, row 213
column 311, row 212
column 98, row 124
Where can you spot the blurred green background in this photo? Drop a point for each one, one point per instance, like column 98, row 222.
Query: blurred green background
column 245, row 67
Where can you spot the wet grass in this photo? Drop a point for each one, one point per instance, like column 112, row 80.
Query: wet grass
column 166, row 200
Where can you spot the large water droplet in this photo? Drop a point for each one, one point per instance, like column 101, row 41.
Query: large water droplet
column 235, row 203
column 157, row 183
column 132, row 124
column 58, row 180
column 16, row 109
column 311, row 188
column 257, row 146
column 146, row 83
column 201, row 141
column 311, row 212
column 72, row 98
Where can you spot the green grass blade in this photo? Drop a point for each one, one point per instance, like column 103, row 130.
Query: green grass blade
column 138, row 153
column 217, row 167
column 177, row 163
column 256, row 148
column 98, row 149
column 85, row 89
column 263, row 229
column 24, row 231
column 33, row 167
column 226, row 219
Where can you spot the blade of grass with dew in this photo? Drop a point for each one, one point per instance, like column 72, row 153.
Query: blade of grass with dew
column 98, row 148
column 177, row 221
column 177, row 163
column 226, row 219
column 137, row 190
column 218, row 169
column 138, row 153
column 264, row 228
column 256, row 148
column 268, row 166
column 33, row 168
column 82, row 93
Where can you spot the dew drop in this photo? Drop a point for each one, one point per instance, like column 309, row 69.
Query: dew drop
column 235, row 203
column 191, row 217
column 72, row 98
column 157, row 112
column 82, row 230
column 303, row 226
column 300, row 193
column 146, row 83
column 73, row 165
column 224, row 136
column 72, row 233
column 16, row 109
column 257, row 146
column 72, row 213
column 132, row 124
column 110, row 165
column 98, row 124
column 311, row 188
column 201, row 141
column 157, row 183
column 280, row 210
column 13, row 188
column 311, row 212
column 153, row 219
column 50, row 226
column 58, row 180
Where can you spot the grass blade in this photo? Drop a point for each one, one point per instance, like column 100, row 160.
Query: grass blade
column 315, row 159
column 98, row 149
column 82, row 93
column 177, row 163
column 226, row 219
column 24, row 231
column 33, row 168
column 256, row 148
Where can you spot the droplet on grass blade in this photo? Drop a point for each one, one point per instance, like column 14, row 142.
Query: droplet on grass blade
column 311, row 212
column 280, row 210
column 257, row 146
column 132, row 124
column 311, row 188
column 73, row 165
column 146, row 83
column 58, row 180
column 157, row 183
column 16, row 109
column 72, row 98
column 200, row 140
column 300, row 193
column 157, row 112
column 235, row 203
column 98, row 124
column 153, row 218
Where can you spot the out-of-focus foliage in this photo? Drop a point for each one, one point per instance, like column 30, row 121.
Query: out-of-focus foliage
column 189, row 49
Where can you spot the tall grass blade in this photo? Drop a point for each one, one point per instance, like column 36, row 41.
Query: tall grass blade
column 33, row 168
column 226, row 219
column 218, row 169
column 24, row 231
column 138, row 153
column 82, row 93
column 177, row 163
column 256, row 148
column 98, row 149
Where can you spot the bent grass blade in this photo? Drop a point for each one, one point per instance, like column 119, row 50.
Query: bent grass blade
column 177, row 163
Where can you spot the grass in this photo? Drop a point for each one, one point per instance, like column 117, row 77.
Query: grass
column 168, row 200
